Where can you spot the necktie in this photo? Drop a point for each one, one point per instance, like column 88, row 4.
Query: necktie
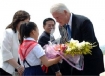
column 68, row 31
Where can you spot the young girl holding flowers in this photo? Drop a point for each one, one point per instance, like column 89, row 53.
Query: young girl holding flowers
column 31, row 53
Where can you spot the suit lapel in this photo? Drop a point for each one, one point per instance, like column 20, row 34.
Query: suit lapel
column 74, row 25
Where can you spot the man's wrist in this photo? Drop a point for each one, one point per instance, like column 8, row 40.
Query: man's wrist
column 57, row 71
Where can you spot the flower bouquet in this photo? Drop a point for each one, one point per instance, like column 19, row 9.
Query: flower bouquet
column 72, row 52
column 74, row 47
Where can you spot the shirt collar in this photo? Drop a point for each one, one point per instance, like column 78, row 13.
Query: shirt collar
column 70, row 20
column 47, row 33
column 30, row 38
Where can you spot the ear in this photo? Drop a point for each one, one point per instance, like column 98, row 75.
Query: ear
column 65, row 11
column 33, row 31
column 44, row 26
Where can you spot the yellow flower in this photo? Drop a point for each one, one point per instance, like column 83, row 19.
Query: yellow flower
column 74, row 47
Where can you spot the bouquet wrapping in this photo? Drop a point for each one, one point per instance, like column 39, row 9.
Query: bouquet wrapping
column 50, row 51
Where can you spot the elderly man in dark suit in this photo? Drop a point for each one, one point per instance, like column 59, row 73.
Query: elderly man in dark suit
column 48, row 25
column 80, row 28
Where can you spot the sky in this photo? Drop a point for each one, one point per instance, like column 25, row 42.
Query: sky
column 40, row 9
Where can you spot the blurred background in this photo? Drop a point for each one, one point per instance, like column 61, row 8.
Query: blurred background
column 40, row 9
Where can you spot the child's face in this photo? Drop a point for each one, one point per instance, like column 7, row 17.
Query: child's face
column 36, row 34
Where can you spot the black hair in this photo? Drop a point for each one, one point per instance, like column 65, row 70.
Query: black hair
column 25, row 30
column 48, row 19
column 18, row 16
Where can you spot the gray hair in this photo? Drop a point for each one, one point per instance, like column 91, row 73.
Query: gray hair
column 60, row 7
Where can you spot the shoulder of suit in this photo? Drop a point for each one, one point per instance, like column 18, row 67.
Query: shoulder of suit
column 42, row 36
column 81, row 17
column 9, row 31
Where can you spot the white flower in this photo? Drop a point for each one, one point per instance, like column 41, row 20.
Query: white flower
column 74, row 47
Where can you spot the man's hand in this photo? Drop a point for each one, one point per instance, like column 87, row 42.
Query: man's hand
column 58, row 73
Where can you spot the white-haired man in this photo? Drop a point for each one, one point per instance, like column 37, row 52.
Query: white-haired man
column 80, row 28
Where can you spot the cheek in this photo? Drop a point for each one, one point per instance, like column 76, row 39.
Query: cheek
column 58, row 19
column 47, row 28
column 38, row 34
column 19, row 25
column 62, row 18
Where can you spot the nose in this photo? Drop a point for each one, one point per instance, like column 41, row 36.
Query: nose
column 52, row 27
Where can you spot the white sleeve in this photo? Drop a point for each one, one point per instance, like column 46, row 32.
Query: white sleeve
column 38, row 51
column 6, row 45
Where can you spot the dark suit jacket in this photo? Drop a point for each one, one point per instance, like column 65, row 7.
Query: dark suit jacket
column 43, row 40
column 82, row 29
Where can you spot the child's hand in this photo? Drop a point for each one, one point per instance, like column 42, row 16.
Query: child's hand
column 20, row 70
column 58, row 73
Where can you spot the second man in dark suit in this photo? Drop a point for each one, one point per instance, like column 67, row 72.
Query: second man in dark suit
column 48, row 25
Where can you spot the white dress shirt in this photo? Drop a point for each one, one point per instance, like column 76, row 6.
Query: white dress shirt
column 9, row 50
column 70, row 21
column 33, row 58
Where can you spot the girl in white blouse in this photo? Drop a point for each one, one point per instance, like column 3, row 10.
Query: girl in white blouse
column 10, row 44
column 31, row 53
